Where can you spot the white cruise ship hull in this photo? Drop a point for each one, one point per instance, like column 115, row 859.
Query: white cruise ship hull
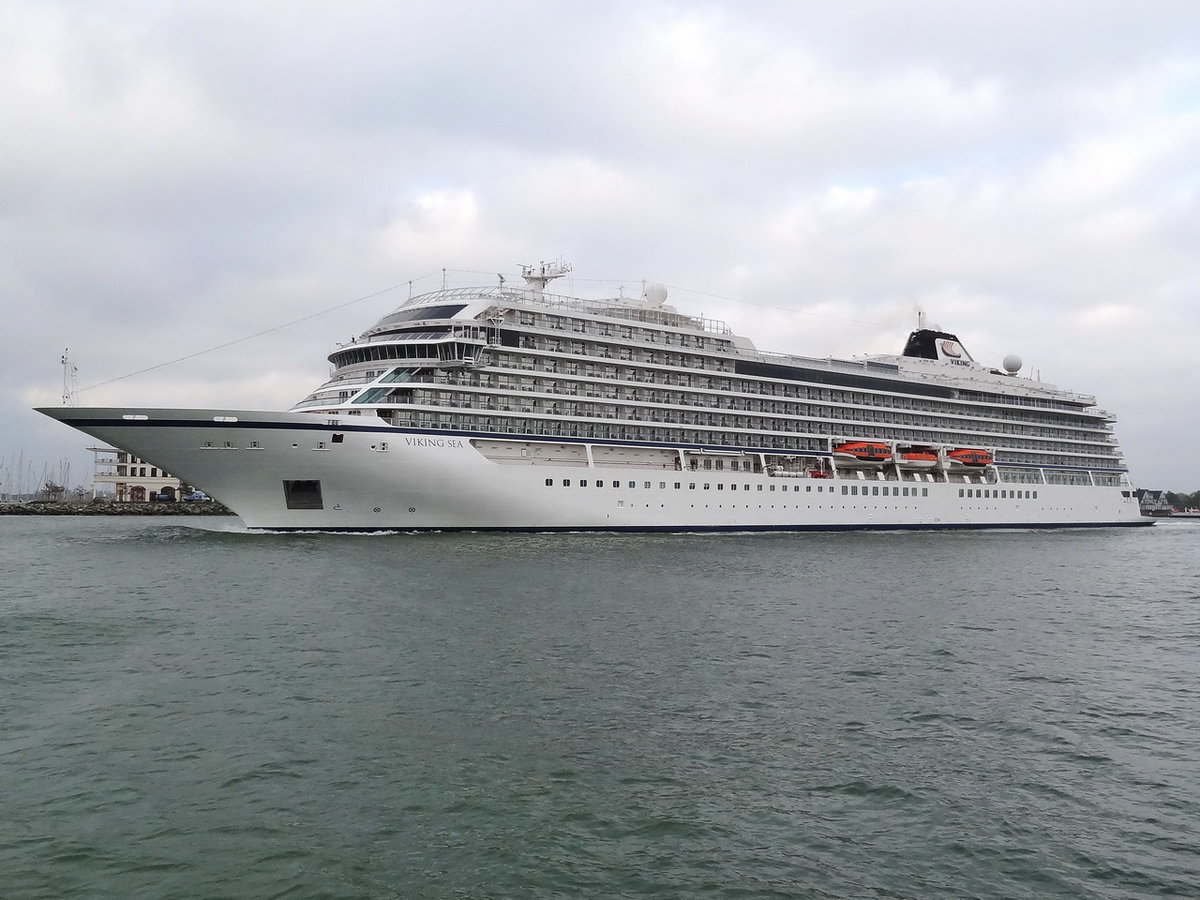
column 371, row 477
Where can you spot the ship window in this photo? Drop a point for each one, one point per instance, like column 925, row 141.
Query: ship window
column 760, row 487
column 549, row 482
column 924, row 492
column 706, row 485
column 845, row 489
column 961, row 492
column 302, row 494
column 772, row 487
column 1035, row 495
column 425, row 312
column 661, row 485
column 692, row 486
column 875, row 491
column 905, row 492
column 566, row 482
column 338, row 438
column 633, row 484
column 678, row 485
column 599, row 483
column 854, row 489
column 583, row 482
column 720, row 487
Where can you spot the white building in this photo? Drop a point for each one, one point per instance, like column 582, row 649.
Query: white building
column 133, row 479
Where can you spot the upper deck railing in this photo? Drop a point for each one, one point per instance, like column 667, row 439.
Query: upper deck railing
column 614, row 307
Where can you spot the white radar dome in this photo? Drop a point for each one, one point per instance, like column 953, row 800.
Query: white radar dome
column 1012, row 364
column 656, row 295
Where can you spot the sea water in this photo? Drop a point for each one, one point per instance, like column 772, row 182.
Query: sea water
column 193, row 711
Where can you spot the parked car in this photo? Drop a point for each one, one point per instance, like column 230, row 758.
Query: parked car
column 163, row 495
column 196, row 495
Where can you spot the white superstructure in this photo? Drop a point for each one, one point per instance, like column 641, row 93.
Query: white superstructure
column 513, row 408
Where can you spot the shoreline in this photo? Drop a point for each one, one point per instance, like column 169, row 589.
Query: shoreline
column 111, row 508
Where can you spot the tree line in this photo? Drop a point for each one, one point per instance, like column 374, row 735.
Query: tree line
column 1183, row 501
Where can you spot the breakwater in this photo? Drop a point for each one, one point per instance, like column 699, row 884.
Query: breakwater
column 110, row 508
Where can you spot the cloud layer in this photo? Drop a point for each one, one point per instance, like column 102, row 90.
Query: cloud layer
column 175, row 177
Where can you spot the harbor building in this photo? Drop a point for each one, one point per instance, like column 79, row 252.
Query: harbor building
column 134, row 480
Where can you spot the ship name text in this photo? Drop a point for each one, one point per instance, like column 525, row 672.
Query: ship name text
column 433, row 442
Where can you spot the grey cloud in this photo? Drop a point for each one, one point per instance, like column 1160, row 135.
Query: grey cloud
column 176, row 176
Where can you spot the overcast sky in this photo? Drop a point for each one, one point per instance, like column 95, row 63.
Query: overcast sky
column 179, row 176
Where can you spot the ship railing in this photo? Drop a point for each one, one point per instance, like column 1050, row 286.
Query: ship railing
column 839, row 365
column 613, row 307
column 422, row 337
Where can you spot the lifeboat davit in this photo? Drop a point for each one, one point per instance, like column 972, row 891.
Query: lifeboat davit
column 917, row 459
column 966, row 456
column 862, row 453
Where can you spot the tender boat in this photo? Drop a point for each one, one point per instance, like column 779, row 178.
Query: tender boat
column 966, row 456
column 869, row 453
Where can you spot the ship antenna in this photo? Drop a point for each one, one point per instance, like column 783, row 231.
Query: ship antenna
column 537, row 277
column 70, row 393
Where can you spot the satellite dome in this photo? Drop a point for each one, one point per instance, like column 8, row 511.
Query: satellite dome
column 655, row 294
column 1012, row 364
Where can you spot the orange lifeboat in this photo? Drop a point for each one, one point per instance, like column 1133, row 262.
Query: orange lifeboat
column 966, row 456
column 863, row 452
column 917, row 459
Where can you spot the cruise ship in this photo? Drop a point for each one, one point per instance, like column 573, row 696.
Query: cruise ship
column 514, row 408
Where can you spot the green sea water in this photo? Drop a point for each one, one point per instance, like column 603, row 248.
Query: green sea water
column 192, row 711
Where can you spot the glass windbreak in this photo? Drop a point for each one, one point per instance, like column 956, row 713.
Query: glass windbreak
column 397, row 375
column 374, row 395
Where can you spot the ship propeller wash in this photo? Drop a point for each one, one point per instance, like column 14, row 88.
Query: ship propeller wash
column 506, row 407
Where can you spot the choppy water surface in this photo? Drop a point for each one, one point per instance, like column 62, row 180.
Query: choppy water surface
column 190, row 711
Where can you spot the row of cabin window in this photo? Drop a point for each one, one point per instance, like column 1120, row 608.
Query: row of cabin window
column 994, row 494
column 787, row 390
column 847, row 489
column 790, row 440
column 1030, row 435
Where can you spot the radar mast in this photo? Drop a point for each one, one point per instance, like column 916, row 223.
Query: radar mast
column 537, row 277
